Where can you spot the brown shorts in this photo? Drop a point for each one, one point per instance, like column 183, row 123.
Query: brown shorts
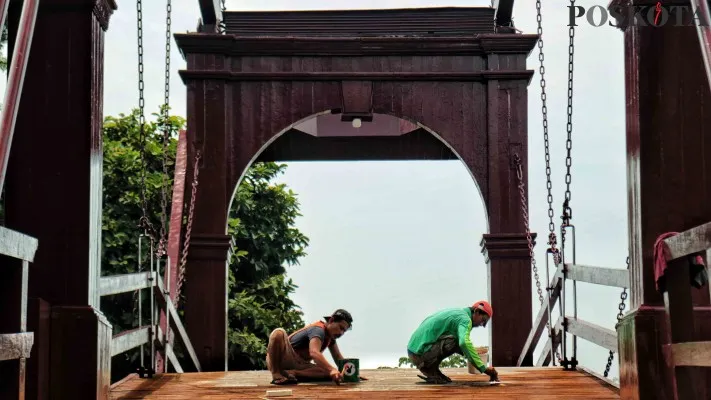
column 289, row 359
column 444, row 347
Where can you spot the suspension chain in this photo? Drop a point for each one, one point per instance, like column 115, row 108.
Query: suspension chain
column 189, row 227
column 552, row 240
column 144, row 221
column 161, row 249
column 524, row 212
column 567, row 210
column 620, row 314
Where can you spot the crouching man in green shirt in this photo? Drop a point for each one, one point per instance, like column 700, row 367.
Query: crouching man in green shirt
column 445, row 333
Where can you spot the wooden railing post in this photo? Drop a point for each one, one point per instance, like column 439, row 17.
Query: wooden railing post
column 690, row 381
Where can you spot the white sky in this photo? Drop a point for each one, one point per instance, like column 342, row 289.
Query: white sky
column 394, row 241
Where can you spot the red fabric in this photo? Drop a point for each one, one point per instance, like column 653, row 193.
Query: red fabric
column 485, row 306
column 660, row 257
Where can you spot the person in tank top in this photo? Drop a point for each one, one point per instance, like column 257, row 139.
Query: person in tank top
column 300, row 354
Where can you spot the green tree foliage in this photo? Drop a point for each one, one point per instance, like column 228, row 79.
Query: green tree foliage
column 453, row 361
column 261, row 222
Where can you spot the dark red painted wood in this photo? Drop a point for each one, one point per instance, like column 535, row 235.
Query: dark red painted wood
column 54, row 187
column 38, row 318
column 669, row 188
column 245, row 93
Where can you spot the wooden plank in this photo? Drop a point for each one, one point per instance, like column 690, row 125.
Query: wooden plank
column 604, row 337
column 130, row 339
column 14, row 346
column 17, row 245
column 115, row 284
column 542, row 318
column 598, row 275
column 694, row 240
column 447, row 76
column 691, row 354
column 678, row 303
column 527, row 383
column 177, row 324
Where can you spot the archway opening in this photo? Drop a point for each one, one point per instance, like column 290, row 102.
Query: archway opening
column 391, row 239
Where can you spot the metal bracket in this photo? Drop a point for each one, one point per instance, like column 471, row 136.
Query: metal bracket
column 569, row 365
column 144, row 372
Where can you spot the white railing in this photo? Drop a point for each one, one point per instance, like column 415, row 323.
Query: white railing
column 17, row 346
column 150, row 334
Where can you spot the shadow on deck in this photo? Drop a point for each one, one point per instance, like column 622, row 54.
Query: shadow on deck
column 516, row 383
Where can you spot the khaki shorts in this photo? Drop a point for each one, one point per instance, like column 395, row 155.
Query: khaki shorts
column 290, row 360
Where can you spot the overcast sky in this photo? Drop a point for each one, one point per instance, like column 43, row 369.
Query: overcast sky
column 394, row 241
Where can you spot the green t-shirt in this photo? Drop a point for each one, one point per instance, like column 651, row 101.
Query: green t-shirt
column 452, row 321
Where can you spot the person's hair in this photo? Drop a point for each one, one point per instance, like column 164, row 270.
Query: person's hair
column 342, row 315
column 476, row 310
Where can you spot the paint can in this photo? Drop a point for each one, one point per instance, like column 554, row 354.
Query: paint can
column 350, row 368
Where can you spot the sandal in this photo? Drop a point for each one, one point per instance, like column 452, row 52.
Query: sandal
column 435, row 380
column 284, row 381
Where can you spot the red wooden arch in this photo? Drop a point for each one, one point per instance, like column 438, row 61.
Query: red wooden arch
column 458, row 78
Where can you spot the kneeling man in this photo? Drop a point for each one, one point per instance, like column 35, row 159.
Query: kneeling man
column 289, row 357
column 447, row 332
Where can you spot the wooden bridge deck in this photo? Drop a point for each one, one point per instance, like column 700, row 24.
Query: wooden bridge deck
column 517, row 383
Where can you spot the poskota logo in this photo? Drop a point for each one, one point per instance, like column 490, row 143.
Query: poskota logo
column 653, row 15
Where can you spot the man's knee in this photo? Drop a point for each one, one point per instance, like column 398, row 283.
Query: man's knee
column 450, row 345
column 278, row 335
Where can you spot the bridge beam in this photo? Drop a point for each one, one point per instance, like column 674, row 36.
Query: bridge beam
column 54, row 192
column 504, row 12
column 668, row 125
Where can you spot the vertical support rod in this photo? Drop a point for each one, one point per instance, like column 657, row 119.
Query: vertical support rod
column 575, row 302
column 168, row 335
column 23, row 325
column 551, row 326
column 154, row 327
column 703, row 29
column 140, row 297
column 16, row 78
column 561, row 302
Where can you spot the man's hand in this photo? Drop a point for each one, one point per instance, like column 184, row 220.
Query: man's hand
column 492, row 373
column 362, row 378
column 336, row 376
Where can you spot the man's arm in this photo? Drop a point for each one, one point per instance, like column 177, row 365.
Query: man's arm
column 335, row 351
column 465, row 343
column 317, row 356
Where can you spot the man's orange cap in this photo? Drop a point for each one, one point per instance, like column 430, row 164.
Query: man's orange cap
column 484, row 306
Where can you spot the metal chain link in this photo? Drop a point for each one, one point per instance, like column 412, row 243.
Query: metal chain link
column 161, row 249
column 188, row 228
column 567, row 210
column 524, row 213
column 144, row 221
column 620, row 314
column 552, row 239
